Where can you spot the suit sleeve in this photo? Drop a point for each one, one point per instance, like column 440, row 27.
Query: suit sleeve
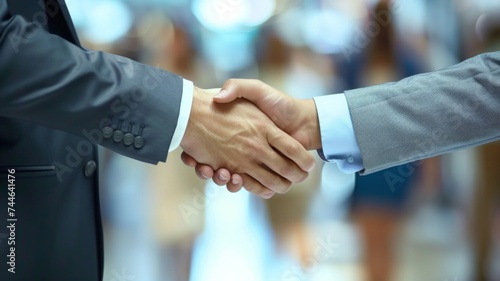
column 47, row 80
column 428, row 114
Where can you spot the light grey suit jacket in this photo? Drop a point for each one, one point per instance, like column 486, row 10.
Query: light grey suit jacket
column 428, row 114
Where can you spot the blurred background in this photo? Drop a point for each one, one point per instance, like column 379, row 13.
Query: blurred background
column 436, row 219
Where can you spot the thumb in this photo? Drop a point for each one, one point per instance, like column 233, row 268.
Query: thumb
column 224, row 96
column 251, row 90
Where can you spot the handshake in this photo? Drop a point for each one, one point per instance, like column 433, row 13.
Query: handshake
column 259, row 142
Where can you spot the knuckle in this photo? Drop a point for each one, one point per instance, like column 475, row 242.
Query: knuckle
column 300, row 176
column 288, row 170
column 230, row 83
column 257, row 82
column 293, row 149
column 276, row 185
column 256, row 149
column 270, row 183
column 249, row 187
column 252, row 187
column 262, row 124
column 253, row 80
column 310, row 159
column 285, row 188
column 256, row 189
column 232, row 188
column 288, row 144
column 273, row 134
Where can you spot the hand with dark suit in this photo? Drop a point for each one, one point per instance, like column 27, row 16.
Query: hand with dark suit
column 138, row 97
column 58, row 101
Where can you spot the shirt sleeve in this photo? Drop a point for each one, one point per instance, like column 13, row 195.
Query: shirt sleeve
column 337, row 133
column 185, row 111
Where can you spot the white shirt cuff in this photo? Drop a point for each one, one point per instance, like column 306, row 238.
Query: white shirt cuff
column 337, row 133
column 184, row 112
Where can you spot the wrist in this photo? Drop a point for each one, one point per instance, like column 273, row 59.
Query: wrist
column 200, row 111
column 196, row 111
column 310, row 124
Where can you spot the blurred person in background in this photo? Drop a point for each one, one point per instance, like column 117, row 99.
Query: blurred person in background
column 487, row 191
column 298, row 71
column 379, row 199
column 148, row 240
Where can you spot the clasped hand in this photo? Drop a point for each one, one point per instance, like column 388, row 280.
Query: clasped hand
column 259, row 142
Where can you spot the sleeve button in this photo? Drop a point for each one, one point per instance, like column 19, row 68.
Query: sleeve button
column 117, row 136
column 90, row 168
column 107, row 132
column 128, row 139
column 138, row 142
column 350, row 160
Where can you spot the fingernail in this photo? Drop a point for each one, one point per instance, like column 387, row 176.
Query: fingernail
column 234, row 181
column 221, row 94
column 268, row 195
column 222, row 177
column 203, row 175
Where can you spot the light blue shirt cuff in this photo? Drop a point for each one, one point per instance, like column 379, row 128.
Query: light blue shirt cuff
column 337, row 134
column 184, row 112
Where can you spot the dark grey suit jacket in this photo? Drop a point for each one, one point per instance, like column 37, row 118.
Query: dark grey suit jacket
column 428, row 114
column 57, row 102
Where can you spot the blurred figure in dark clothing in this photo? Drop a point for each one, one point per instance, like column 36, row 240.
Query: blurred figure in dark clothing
column 487, row 191
column 379, row 199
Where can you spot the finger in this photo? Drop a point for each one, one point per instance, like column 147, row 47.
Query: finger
column 255, row 187
column 269, row 179
column 283, row 110
column 283, row 166
column 292, row 149
column 250, row 89
column 204, row 172
column 235, row 184
column 188, row 160
column 221, row 177
column 291, row 158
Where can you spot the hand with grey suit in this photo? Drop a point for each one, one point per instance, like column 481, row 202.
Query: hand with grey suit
column 370, row 129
